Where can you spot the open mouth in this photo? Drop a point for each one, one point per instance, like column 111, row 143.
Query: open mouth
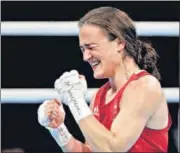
column 95, row 64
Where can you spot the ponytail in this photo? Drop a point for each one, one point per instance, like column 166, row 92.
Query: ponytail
column 147, row 58
column 144, row 55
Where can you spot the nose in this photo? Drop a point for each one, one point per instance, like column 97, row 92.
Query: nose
column 86, row 55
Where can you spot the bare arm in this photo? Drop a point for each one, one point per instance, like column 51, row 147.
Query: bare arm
column 138, row 107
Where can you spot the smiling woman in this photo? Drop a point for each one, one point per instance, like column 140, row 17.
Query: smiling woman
column 128, row 113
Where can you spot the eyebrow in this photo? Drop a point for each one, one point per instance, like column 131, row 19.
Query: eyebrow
column 86, row 45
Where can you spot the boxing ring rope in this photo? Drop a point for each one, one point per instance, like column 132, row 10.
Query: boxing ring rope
column 70, row 28
column 25, row 95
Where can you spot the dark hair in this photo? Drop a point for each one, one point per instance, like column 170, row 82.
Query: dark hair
column 117, row 24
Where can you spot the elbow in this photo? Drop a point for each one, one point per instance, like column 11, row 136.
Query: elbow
column 118, row 145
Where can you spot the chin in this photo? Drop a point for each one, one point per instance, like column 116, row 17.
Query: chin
column 99, row 75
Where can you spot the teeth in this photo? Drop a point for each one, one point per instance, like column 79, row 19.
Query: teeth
column 95, row 63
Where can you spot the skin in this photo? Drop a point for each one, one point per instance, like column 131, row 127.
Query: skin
column 148, row 110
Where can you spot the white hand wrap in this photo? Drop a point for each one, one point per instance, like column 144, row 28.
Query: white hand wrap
column 61, row 135
column 72, row 90
column 79, row 108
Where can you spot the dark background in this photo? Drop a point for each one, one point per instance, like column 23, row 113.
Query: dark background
column 36, row 61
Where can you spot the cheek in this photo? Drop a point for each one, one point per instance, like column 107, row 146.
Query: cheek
column 113, row 59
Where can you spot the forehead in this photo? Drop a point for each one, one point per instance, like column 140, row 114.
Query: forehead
column 91, row 34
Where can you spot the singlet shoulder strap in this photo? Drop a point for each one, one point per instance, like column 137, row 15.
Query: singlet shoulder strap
column 100, row 93
column 140, row 74
column 134, row 77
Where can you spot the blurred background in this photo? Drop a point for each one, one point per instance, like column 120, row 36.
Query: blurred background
column 36, row 61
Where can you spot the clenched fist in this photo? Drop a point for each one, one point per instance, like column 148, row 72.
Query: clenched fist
column 51, row 114
column 72, row 88
column 71, row 85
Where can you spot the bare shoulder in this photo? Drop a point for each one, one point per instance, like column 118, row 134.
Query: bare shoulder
column 143, row 95
column 146, row 84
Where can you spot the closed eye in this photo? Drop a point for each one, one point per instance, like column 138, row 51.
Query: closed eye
column 91, row 48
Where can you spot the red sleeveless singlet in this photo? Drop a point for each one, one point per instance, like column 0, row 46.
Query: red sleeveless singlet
column 150, row 140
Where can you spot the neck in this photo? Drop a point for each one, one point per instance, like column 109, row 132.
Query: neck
column 122, row 75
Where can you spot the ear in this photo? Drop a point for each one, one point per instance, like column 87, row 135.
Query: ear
column 120, row 45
